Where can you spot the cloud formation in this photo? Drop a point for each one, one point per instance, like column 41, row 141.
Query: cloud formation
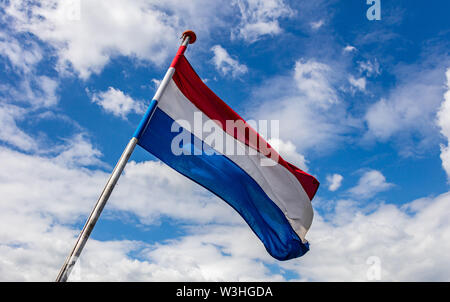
column 410, row 242
column 225, row 64
column 443, row 120
column 409, row 110
column 334, row 181
column 118, row 103
column 370, row 183
column 288, row 151
column 132, row 29
column 54, row 186
column 309, row 106
column 210, row 250
column 259, row 18
column 11, row 133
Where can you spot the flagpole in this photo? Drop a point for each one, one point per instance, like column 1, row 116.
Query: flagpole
column 188, row 38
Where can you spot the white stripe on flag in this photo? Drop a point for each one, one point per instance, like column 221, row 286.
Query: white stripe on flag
column 277, row 182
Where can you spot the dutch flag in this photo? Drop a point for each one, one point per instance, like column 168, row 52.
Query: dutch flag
column 273, row 198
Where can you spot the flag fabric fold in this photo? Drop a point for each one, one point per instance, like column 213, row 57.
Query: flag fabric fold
column 274, row 199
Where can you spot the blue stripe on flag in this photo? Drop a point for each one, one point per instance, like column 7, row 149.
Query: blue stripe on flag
column 143, row 123
column 223, row 177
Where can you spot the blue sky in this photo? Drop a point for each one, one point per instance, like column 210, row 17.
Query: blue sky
column 363, row 105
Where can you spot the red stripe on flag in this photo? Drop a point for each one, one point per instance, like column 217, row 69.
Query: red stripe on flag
column 210, row 104
column 179, row 55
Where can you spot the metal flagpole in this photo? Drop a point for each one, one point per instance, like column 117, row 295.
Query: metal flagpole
column 188, row 38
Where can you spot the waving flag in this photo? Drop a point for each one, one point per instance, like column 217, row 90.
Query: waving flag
column 272, row 195
column 274, row 199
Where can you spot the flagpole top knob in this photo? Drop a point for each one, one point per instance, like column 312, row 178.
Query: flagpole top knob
column 191, row 35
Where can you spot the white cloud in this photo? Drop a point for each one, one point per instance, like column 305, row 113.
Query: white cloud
column 60, row 186
column 79, row 152
column 334, row 181
column 417, row 233
column 151, row 190
column 205, row 17
column 308, row 106
column 443, row 121
column 410, row 241
column 44, row 186
column 11, row 133
column 370, row 183
column 21, row 98
column 147, row 30
column 359, row 84
column 383, row 120
column 260, row 17
column 225, row 64
column 43, row 196
column 46, row 195
column 137, row 27
column 207, row 253
column 370, row 68
column 288, row 151
column 33, row 89
column 349, row 48
column 156, row 83
column 38, row 91
column 219, row 253
column 47, row 96
column 130, row 29
column 409, row 110
column 118, row 103
column 22, row 57
column 313, row 80
column 316, row 25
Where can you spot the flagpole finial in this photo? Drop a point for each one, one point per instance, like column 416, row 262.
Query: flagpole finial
column 192, row 36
